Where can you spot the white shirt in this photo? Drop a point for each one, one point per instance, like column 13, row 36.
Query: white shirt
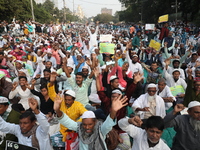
column 142, row 102
column 140, row 137
column 170, row 80
column 41, row 132
column 166, row 92
column 182, row 74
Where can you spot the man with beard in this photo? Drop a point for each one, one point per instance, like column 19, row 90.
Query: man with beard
column 134, row 65
column 91, row 132
column 176, row 65
column 49, row 57
column 193, row 87
column 149, row 104
column 93, row 35
column 186, row 126
column 28, row 132
column 79, row 85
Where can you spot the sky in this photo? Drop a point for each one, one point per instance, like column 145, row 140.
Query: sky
column 92, row 7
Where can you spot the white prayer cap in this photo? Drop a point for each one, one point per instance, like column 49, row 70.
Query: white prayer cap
column 19, row 61
column 118, row 51
column 85, row 67
column 193, row 104
column 71, row 93
column 110, row 62
column 3, row 100
column 9, row 56
column 113, row 77
column 1, row 37
column 103, row 67
column 135, row 56
column 151, row 86
column 79, row 54
column 18, row 46
column 117, row 91
column 70, row 65
column 88, row 114
column 94, row 98
column 175, row 71
column 2, row 74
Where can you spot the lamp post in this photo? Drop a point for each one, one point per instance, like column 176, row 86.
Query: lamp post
column 32, row 10
column 176, row 10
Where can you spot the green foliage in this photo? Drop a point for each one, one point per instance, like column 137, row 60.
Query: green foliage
column 44, row 13
column 152, row 9
column 106, row 18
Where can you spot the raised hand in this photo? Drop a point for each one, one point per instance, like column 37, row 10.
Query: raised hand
column 33, row 81
column 53, row 77
column 118, row 103
column 135, row 121
column 137, row 78
column 15, row 84
column 96, row 72
column 64, row 60
column 37, row 76
column 178, row 108
column 33, row 104
column 57, row 102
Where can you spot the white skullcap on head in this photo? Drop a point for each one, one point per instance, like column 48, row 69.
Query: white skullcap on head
column 113, row 77
column 135, row 55
column 85, row 67
column 151, row 86
column 118, row 51
column 176, row 70
column 19, row 61
column 103, row 67
column 3, row 100
column 9, row 56
column 193, row 104
column 71, row 93
column 88, row 114
column 94, row 98
column 117, row 91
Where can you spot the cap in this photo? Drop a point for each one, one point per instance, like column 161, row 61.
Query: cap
column 193, row 104
column 94, row 98
column 175, row 70
column 85, row 67
column 9, row 56
column 71, row 93
column 135, row 56
column 151, row 86
column 3, row 100
column 117, row 91
column 2, row 74
column 113, row 77
column 19, row 61
column 88, row 114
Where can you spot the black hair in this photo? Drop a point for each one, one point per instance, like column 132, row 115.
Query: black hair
column 21, row 77
column 28, row 114
column 47, row 70
column 80, row 74
column 1, row 53
column 5, row 104
column 174, row 61
column 155, row 122
column 194, row 54
column 43, row 86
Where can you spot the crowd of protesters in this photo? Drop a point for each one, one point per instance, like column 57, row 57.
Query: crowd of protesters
column 56, row 84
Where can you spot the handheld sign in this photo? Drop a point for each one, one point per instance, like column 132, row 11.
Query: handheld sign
column 10, row 145
column 155, row 45
column 163, row 18
column 106, row 38
column 176, row 90
column 107, row 48
column 149, row 26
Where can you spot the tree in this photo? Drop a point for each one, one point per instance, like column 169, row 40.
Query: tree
column 104, row 18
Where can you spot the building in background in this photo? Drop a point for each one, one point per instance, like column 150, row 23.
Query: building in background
column 106, row 11
column 80, row 12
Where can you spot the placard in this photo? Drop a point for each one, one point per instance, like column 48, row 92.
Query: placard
column 107, row 48
column 149, row 26
column 177, row 90
column 163, row 18
column 106, row 38
column 155, row 45
column 10, row 145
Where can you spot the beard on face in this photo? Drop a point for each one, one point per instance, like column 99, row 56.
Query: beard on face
column 134, row 62
column 195, row 124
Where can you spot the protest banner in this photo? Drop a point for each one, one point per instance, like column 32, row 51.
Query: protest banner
column 149, row 26
column 176, row 90
column 107, row 48
column 106, row 38
column 155, row 45
column 10, row 145
column 163, row 18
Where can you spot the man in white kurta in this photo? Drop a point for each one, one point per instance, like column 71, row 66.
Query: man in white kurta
column 149, row 104
column 93, row 36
